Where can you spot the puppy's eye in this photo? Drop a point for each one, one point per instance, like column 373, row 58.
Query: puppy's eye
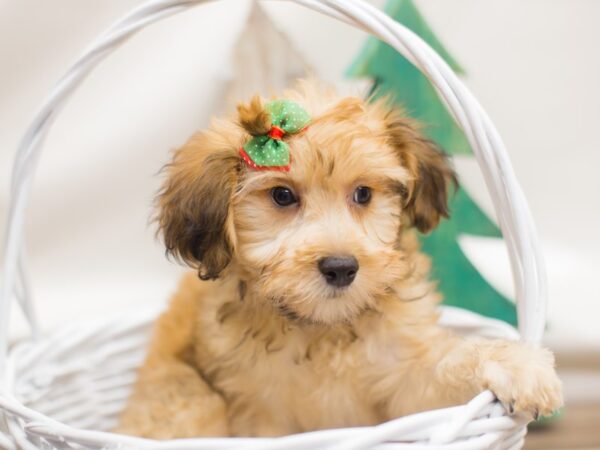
column 362, row 195
column 283, row 196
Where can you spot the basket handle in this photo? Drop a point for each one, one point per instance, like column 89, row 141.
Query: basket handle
column 509, row 202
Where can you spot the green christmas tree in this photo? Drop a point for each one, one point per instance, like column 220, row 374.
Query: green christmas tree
column 393, row 75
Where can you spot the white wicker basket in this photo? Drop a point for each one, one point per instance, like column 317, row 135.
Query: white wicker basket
column 54, row 390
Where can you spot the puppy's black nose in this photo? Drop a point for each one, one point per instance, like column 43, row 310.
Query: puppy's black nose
column 339, row 271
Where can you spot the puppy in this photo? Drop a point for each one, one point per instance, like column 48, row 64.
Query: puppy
column 312, row 307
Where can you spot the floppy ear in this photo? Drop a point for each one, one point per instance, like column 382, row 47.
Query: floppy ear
column 194, row 203
column 426, row 199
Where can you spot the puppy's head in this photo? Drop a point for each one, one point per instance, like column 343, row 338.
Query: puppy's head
column 320, row 242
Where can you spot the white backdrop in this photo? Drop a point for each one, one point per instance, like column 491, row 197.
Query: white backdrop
column 534, row 65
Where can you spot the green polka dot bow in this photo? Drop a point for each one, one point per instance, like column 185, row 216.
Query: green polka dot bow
column 268, row 151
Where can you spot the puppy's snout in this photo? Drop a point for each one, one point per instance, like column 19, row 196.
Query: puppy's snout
column 339, row 271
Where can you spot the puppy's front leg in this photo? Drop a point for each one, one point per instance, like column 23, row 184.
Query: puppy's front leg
column 447, row 370
column 170, row 398
column 522, row 376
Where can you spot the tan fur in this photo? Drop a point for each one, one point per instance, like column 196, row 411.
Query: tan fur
column 254, row 118
column 269, row 348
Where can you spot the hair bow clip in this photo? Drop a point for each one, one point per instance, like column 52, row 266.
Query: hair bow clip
column 269, row 151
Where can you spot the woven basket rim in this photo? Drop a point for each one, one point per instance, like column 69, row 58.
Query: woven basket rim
column 109, row 327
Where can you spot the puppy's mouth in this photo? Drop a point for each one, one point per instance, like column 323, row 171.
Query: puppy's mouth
column 292, row 315
column 332, row 301
column 336, row 293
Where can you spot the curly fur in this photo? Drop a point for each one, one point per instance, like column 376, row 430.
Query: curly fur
column 254, row 118
column 269, row 348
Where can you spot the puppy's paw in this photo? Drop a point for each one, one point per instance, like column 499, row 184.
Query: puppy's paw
column 523, row 379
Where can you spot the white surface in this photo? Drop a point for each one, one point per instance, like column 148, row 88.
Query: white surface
column 88, row 222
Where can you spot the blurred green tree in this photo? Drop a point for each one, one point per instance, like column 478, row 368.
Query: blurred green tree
column 394, row 76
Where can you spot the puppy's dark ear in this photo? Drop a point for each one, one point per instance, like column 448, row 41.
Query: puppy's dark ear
column 432, row 175
column 194, row 204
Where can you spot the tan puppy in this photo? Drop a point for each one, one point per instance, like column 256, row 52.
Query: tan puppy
column 320, row 312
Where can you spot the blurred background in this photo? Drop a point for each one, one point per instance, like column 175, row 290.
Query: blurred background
column 533, row 64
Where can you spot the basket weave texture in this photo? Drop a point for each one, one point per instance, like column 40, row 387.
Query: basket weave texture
column 65, row 390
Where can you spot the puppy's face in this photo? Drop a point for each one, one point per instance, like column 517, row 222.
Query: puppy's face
column 321, row 242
